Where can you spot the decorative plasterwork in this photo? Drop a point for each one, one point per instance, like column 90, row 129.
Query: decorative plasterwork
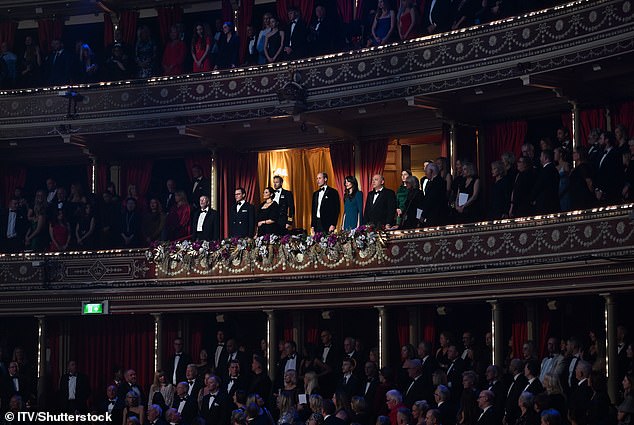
column 582, row 31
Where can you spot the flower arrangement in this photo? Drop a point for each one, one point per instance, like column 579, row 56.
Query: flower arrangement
column 267, row 252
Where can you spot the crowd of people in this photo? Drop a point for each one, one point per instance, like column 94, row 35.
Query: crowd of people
column 560, row 178
column 342, row 384
column 220, row 48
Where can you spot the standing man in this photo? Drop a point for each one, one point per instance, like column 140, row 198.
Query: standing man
column 380, row 206
column 296, row 41
column 545, row 195
column 13, row 227
column 178, row 362
column 326, row 207
column 74, row 390
column 241, row 216
column 435, row 200
column 200, row 185
column 168, row 198
column 285, row 200
column 206, row 225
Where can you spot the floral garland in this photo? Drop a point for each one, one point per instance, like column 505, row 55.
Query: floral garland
column 267, row 252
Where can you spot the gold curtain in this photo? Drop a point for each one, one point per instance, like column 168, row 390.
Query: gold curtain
column 299, row 168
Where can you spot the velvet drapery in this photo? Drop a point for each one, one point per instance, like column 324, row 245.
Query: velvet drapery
column 346, row 10
column 311, row 326
column 299, row 168
column 342, row 158
column 245, row 18
column 138, row 172
column 235, row 170
column 588, row 119
column 108, row 31
column 168, row 16
column 47, row 31
column 504, row 137
column 402, row 327
column 305, row 7
column 203, row 161
column 544, row 332
column 624, row 114
column 7, row 32
column 429, row 324
column 519, row 329
column 11, row 176
column 372, row 161
column 227, row 11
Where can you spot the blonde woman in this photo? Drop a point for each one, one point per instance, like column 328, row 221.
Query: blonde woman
column 133, row 408
column 556, row 397
column 163, row 387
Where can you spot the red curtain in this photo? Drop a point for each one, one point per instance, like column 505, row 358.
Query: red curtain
column 544, row 331
column 139, row 173
column 402, row 327
column 172, row 328
column 47, row 30
column 7, row 32
column 245, row 18
column 360, row 10
column 589, row 119
column 372, row 155
column 429, row 324
column 345, row 9
column 102, row 177
column 342, row 157
column 203, row 161
column 100, row 344
column 305, row 9
column 624, row 114
column 196, row 335
column 127, row 23
column 227, row 11
column 11, row 176
column 236, row 170
column 445, row 141
column 519, row 329
column 168, row 16
column 108, row 31
column 311, row 327
column 504, row 137
column 287, row 328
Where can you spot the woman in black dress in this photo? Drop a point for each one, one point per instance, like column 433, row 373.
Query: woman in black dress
column 274, row 42
column 582, row 181
column 268, row 214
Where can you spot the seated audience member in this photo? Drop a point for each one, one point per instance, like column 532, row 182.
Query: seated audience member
column 161, row 391
column 408, row 20
column 118, row 65
column 201, row 46
column 321, row 33
column 274, row 42
column 394, row 401
column 130, row 225
column 174, row 54
column 153, row 223
column 551, row 417
column 500, row 192
column 383, row 25
column 468, row 199
column 85, row 229
column 228, row 48
column 581, row 186
column 145, row 53
column 179, row 218
column 59, row 231
column 133, row 406
column 30, row 64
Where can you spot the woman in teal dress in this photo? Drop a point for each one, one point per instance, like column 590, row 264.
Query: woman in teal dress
column 352, row 204
column 401, row 196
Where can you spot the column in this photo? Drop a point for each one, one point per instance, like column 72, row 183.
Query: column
column 214, row 180
column 611, row 346
column 158, row 340
column 271, row 337
column 530, row 323
column 414, row 325
column 497, row 331
column 41, row 359
column 453, row 145
column 384, row 346
column 576, row 124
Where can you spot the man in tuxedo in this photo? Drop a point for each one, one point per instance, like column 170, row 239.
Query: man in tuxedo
column 215, row 408
column 428, row 366
column 296, row 40
column 58, row 64
column 582, row 393
column 328, row 412
column 436, row 16
column 285, row 200
column 15, row 384
column 621, row 350
column 446, row 406
column 112, row 404
column 130, row 384
column 251, row 54
column 260, row 382
column 155, row 415
column 326, row 207
column 199, row 186
column 206, row 224
column 545, row 194
column 234, row 354
column 370, row 386
column 511, row 408
column 330, row 356
column 220, row 352
column 185, row 404
column 610, row 174
column 241, row 216
column 528, row 151
column 349, row 350
column 74, row 390
column 454, row 372
column 321, row 33
column 573, row 356
column 290, row 361
column 178, row 362
column 485, row 402
column 435, row 199
column 168, row 199
column 380, row 205
column 554, row 361
column 531, row 372
column 595, row 150
column 349, row 383
column 13, row 227
column 235, row 380
column 495, row 385
column 194, row 382
column 415, row 389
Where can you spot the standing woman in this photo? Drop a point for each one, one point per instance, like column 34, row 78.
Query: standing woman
column 145, row 53
column 174, row 53
column 401, row 197
column 352, row 204
column 261, row 43
column 383, row 25
column 178, row 219
column 228, row 47
column 562, row 158
column 59, row 231
column 36, row 236
column 408, row 20
column 273, row 42
column 444, row 172
column 268, row 213
column 201, row 49
column 581, row 181
column 413, row 202
column 469, row 211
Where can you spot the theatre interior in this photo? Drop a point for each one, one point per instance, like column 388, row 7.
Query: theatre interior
column 468, row 94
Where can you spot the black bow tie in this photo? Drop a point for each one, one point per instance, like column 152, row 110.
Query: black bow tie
column 11, row 211
column 234, row 378
column 323, row 189
column 221, row 344
column 292, row 356
column 203, row 211
column 178, row 354
column 190, row 382
column 112, row 401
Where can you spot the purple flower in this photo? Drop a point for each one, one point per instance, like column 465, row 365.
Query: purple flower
column 285, row 239
column 234, row 240
column 318, row 236
column 215, row 246
column 196, row 245
column 266, row 238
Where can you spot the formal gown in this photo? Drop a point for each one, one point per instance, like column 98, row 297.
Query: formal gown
column 382, row 28
column 274, row 43
column 272, row 212
column 199, row 51
column 470, row 213
column 353, row 210
column 581, row 197
column 174, row 56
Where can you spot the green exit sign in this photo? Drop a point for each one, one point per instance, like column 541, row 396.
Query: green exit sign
column 94, row 308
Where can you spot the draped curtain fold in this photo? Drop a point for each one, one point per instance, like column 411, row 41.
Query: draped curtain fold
column 287, row 328
column 227, row 11
column 47, row 31
column 372, row 161
column 168, row 16
column 624, row 114
column 311, row 327
column 519, row 329
column 7, row 32
column 342, row 158
column 402, row 327
column 128, row 22
column 235, row 170
column 299, row 168
column 345, row 9
column 305, row 9
column 544, row 331
column 203, row 161
column 108, row 31
column 11, row 176
column 360, row 10
column 102, row 344
column 138, row 172
column 245, row 18
column 589, row 119
column 504, row 137
column 102, row 177
column 196, row 336
column 429, row 324
column 172, row 328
